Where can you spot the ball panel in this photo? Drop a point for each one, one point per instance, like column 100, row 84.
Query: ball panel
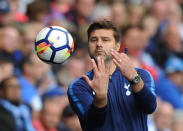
column 45, row 54
column 41, row 47
column 72, row 47
column 70, row 39
column 57, row 38
column 71, row 42
column 61, row 56
column 58, row 28
column 70, row 50
column 42, row 34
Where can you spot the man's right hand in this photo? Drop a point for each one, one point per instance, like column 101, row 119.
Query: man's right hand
column 100, row 81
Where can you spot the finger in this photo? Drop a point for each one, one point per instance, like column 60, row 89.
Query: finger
column 94, row 66
column 116, row 56
column 124, row 56
column 102, row 66
column 116, row 62
column 107, row 69
column 88, row 81
column 114, row 53
column 117, row 53
column 99, row 63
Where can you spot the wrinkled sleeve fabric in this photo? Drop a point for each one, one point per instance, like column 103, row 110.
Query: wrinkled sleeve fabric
column 146, row 98
column 81, row 100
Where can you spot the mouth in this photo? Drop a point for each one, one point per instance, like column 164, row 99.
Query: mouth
column 99, row 51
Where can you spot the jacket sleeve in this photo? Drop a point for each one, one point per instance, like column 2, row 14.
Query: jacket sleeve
column 146, row 98
column 81, row 100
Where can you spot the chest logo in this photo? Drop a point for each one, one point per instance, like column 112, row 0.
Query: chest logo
column 93, row 92
column 127, row 86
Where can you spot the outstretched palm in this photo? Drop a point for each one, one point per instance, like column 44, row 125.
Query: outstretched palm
column 100, row 80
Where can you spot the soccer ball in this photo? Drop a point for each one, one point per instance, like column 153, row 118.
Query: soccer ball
column 54, row 45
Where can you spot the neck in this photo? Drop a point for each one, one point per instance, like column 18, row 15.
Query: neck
column 30, row 79
column 112, row 67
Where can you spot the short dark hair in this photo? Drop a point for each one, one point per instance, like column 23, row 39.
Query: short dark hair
column 26, row 60
column 35, row 7
column 126, row 28
column 68, row 112
column 4, row 82
column 104, row 24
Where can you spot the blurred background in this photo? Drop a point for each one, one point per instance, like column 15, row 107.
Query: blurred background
column 33, row 94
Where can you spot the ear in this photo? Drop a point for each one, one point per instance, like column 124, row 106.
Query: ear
column 118, row 46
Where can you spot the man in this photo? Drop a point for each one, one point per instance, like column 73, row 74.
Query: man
column 171, row 81
column 9, row 48
column 163, row 116
column 49, row 117
column 70, row 119
column 114, row 96
column 32, row 71
column 54, row 101
column 6, row 68
column 5, row 12
column 15, row 116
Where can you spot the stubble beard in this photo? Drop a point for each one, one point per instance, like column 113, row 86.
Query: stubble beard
column 106, row 57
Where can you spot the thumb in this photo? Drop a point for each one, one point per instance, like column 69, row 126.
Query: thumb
column 87, row 80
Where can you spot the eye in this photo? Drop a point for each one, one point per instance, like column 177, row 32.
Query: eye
column 93, row 39
column 106, row 39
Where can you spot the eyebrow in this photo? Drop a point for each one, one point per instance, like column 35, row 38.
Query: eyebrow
column 106, row 37
column 99, row 36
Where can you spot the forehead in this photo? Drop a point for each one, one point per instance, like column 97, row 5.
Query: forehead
column 11, row 81
column 102, row 33
column 134, row 30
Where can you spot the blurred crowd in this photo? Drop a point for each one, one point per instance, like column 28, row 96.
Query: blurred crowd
column 33, row 94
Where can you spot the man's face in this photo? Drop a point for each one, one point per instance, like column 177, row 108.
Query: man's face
column 100, row 43
column 10, row 45
column 51, row 114
column 12, row 91
column 85, row 7
column 173, row 38
column 37, row 68
column 132, row 39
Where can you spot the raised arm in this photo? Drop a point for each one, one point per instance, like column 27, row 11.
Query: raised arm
column 89, row 98
column 144, row 88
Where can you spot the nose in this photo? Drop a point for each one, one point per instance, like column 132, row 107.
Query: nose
column 99, row 43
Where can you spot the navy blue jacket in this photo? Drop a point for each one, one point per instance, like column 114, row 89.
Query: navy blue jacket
column 125, row 110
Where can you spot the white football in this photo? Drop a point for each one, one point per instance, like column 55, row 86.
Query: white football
column 54, row 45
